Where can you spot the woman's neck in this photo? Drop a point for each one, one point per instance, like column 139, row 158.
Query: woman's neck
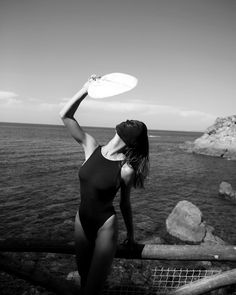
column 112, row 150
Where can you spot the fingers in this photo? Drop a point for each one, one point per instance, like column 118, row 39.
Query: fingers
column 94, row 77
column 91, row 79
column 128, row 243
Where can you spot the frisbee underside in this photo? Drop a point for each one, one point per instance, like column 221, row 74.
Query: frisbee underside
column 111, row 84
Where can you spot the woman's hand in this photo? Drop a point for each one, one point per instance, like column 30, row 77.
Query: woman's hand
column 129, row 242
column 92, row 78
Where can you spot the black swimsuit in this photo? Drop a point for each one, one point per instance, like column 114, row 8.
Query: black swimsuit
column 99, row 182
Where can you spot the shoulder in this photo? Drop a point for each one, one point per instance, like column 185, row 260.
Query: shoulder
column 89, row 144
column 127, row 174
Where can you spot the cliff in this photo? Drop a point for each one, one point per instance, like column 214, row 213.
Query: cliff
column 218, row 140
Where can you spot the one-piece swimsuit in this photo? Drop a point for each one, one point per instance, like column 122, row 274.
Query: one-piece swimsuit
column 100, row 180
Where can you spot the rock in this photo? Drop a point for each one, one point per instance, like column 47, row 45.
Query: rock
column 218, row 140
column 210, row 238
column 209, row 228
column 203, row 264
column 68, row 222
column 185, row 223
column 154, row 241
column 75, row 277
column 227, row 191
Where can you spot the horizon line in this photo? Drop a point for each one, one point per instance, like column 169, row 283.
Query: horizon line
column 86, row 126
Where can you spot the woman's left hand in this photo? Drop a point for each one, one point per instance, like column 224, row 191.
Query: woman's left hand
column 129, row 242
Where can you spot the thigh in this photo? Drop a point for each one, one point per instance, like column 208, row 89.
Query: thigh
column 83, row 250
column 83, row 247
column 104, row 252
column 80, row 237
column 105, row 245
column 108, row 233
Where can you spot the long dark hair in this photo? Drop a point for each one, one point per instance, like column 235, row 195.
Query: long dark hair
column 138, row 158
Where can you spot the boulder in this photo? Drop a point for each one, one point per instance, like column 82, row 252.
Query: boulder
column 227, row 191
column 218, row 140
column 185, row 223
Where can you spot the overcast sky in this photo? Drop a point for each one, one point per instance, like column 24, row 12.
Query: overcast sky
column 181, row 51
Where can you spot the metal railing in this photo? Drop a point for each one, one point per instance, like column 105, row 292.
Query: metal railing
column 160, row 280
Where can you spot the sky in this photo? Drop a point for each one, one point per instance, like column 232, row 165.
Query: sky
column 181, row 51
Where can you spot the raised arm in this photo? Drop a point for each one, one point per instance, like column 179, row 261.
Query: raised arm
column 127, row 175
column 88, row 142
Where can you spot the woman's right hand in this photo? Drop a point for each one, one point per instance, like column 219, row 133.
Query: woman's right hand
column 71, row 106
column 92, row 78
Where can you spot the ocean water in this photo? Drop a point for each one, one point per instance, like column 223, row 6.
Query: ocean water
column 39, row 191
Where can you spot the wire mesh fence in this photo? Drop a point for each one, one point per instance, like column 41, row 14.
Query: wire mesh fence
column 165, row 280
column 160, row 282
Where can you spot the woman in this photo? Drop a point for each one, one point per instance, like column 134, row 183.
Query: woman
column 120, row 164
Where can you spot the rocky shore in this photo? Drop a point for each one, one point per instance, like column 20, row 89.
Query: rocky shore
column 219, row 140
column 185, row 224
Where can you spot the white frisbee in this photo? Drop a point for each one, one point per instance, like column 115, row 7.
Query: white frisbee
column 111, row 84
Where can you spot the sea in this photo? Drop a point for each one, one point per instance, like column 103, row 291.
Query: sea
column 39, row 185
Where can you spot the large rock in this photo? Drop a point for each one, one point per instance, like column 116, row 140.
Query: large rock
column 227, row 191
column 185, row 223
column 218, row 140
